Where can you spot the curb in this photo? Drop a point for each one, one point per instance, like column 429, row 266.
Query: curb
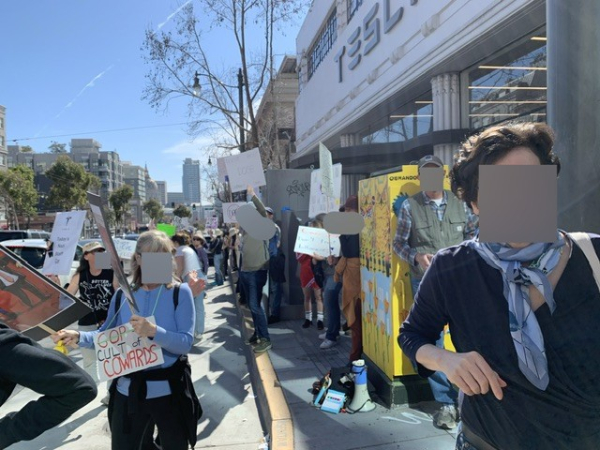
column 271, row 401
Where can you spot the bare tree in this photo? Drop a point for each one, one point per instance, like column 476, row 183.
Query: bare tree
column 176, row 56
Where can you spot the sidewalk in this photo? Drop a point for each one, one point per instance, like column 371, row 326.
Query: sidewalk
column 298, row 361
column 221, row 379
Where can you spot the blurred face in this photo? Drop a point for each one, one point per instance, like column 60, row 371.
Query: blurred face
column 90, row 257
column 519, row 156
column 197, row 241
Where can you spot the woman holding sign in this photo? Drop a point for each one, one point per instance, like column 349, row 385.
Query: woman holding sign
column 161, row 395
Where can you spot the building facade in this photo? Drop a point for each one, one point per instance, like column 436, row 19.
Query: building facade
column 191, row 181
column 175, row 198
column 276, row 116
column 135, row 176
column 384, row 82
column 3, row 145
column 162, row 192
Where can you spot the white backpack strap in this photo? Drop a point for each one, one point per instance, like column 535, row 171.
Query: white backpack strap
column 585, row 244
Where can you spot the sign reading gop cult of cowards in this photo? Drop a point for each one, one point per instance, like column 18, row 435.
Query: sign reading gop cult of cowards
column 120, row 351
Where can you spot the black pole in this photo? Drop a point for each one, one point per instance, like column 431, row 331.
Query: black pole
column 241, row 92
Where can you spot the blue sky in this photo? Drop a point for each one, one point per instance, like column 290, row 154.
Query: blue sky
column 76, row 67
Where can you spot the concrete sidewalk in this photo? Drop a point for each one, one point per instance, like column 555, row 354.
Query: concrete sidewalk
column 297, row 361
column 221, row 378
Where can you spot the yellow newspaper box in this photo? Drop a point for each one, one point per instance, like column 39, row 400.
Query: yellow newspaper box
column 386, row 290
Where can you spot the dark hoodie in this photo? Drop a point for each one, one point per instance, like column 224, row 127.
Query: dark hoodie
column 65, row 387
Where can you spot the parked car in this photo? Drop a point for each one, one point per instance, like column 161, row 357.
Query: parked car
column 131, row 237
column 6, row 235
column 34, row 251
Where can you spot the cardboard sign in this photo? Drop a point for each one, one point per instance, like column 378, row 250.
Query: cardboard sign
column 317, row 240
column 320, row 203
column 65, row 234
column 212, row 223
column 98, row 212
column 229, row 210
column 120, row 351
column 326, row 171
column 245, row 170
column 222, row 169
column 125, row 248
column 30, row 302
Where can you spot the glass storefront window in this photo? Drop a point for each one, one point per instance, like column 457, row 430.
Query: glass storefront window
column 408, row 122
column 510, row 85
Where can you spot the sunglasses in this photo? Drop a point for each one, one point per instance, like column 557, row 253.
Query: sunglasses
column 196, row 239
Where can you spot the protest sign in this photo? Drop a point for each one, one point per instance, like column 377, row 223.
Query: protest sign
column 245, row 170
column 229, row 210
column 125, row 248
column 65, row 235
column 30, row 303
column 120, row 351
column 316, row 240
column 167, row 228
column 320, row 203
column 326, row 171
column 98, row 212
column 212, row 222
column 222, row 169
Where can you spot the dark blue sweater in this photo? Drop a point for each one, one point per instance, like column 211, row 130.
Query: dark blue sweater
column 462, row 290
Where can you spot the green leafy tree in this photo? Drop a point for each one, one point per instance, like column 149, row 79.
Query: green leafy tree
column 56, row 147
column 182, row 211
column 26, row 149
column 70, row 184
column 119, row 200
column 18, row 191
column 154, row 209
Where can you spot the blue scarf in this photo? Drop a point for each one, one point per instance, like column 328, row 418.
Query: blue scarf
column 524, row 327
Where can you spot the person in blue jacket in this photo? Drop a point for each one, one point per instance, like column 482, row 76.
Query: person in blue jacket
column 158, row 396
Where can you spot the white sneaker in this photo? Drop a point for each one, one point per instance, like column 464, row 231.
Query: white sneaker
column 446, row 417
column 105, row 399
column 327, row 344
column 323, row 336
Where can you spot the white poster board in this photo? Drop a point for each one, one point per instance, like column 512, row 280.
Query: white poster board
column 212, row 223
column 65, row 235
column 125, row 248
column 318, row 201
column 245, row 170
column 326, row 171
column 229, row 210
column 120, row 351
column 317, row 240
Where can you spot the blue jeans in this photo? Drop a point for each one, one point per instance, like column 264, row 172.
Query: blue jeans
column 218, row 262
column 275, row 292
column 252, row 284
column 331, row 297
column 442, row 389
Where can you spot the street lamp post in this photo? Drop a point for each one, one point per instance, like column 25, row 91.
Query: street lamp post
column 196, row 88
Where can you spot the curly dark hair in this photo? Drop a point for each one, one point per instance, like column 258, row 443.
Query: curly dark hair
column 493, row 144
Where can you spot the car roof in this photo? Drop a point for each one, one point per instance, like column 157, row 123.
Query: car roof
column 29, row 243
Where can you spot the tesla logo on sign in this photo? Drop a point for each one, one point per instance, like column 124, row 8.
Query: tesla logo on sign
column 371, row 35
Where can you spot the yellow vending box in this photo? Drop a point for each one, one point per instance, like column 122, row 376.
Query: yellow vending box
column 386, row 291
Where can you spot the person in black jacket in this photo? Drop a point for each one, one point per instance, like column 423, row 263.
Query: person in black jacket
column 65, row 387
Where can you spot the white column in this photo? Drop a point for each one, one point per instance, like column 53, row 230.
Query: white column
column 446, row 112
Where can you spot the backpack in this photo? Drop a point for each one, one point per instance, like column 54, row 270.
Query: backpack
column 175, row 298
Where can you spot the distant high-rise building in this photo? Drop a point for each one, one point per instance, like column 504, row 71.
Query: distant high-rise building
column 175, row 198
column 3, row 151
column 191, row 181
column 135, row 176
column 162, row 192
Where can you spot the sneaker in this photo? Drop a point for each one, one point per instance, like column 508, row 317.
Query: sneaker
column 273, row 319
column 446, row 418
column 307, row 323
column 320, row 325
column 327, row 344
column 323, row 336
column 105, row 399
column 265, row 344
column 345, row 327
column 252, row 340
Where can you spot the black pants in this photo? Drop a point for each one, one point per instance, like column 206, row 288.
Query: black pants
column 157, row 411
column 65, row 388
